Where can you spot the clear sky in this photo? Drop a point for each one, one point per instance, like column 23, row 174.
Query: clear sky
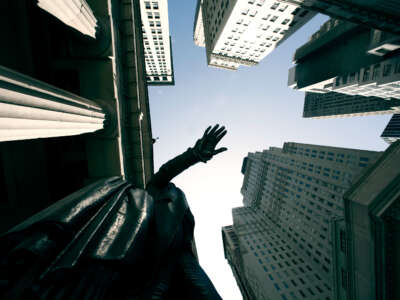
column 258, row 110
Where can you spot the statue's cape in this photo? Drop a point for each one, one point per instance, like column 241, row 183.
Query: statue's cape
column 83, row 244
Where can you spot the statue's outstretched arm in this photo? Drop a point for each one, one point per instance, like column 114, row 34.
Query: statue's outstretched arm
column 203, row 150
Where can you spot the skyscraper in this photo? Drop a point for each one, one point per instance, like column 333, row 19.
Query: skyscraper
column 334, row 105
column 366, row 241
column 392, row 130
column 279, row 246
column 239, row 32
column 157, row 42
column 324, row 64
column 379, row 14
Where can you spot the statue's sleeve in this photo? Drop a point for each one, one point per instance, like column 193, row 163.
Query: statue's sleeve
column 172, row 168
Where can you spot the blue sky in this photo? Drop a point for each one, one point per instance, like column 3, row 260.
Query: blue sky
column 259, row 111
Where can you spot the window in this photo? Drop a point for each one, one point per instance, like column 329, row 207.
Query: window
column 245, row 11
column 304, row 13
column 344, row 278
column 260, row 2
column 284, row 22
column 296, row 11
column 366, row 74
column 397, row 68
column 387, row 70
column 253, row 13
column 273, row 19
column 283, row 7
column 265, row 18
column 147, row 5
column 376, row 71
column 155, row 5
column 270, row 277
column 275, row 5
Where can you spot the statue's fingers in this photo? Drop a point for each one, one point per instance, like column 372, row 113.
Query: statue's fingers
column 213, row 130
column 207, row 130
column 221, row 135
column 220, row 150
column 216, row 133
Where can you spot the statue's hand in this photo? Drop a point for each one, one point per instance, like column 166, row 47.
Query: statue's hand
column 204, row 148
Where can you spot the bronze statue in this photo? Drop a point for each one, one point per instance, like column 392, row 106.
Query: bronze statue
column 112, row 241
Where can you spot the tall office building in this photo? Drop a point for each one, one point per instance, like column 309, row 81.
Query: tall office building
column 243, row 32
column 348, row 58
column 157, row 42
column 379, row 14
column 334, row 105
column 392, row 130
column 280, row 244
column 366, row 240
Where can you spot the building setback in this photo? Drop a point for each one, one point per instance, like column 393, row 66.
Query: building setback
column 324, row 64
column 379, row 14
column 237, row 33
column 334, row 105
column 157, row 42
column 392, row 130
column 279, row 246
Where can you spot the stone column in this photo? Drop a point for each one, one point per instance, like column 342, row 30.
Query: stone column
column 74, row 13
column 31, row 109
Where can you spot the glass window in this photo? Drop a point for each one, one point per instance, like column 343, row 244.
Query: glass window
column 275, row 5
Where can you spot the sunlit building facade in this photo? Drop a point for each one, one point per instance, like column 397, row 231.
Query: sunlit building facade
column 237, row 32
column 157, row 42
column 280, row 244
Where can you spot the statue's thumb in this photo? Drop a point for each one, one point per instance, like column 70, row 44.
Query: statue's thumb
column 220, row 150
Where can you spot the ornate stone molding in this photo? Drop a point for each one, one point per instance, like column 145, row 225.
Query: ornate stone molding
column 74, row 13
column 31, row 109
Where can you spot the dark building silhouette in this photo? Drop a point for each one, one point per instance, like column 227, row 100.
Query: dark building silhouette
column 74, row 103
column 379, row 14
column 392, row 130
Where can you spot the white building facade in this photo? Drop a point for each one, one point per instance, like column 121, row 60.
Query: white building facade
column 157, row 42
column 292, row 197
column 243, row 32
